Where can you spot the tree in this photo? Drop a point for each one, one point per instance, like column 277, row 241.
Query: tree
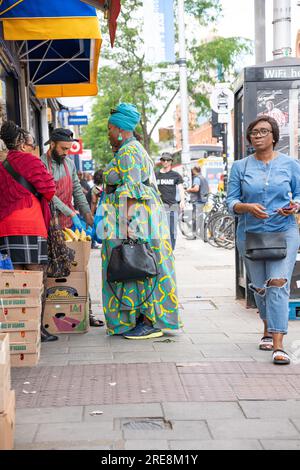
column 127, row 77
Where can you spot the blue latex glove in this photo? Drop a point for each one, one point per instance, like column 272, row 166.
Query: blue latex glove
column 77, row 223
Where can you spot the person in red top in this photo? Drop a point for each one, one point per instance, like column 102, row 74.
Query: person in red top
column 24, row 217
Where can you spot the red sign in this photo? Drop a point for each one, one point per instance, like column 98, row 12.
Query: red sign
column 76, row 148
column 112, row 10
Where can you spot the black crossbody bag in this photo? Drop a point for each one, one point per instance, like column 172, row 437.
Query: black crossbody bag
column 21, row 180
column 264, row 246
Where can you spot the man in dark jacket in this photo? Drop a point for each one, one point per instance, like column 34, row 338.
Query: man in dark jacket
column 170, row 186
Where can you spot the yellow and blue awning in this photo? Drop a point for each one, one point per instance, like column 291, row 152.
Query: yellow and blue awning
column 60, row 42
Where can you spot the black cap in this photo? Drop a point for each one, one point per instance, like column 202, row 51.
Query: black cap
column 167, row 156
column 61, row 135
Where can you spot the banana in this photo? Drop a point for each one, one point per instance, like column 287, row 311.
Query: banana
column 67, row 236
column 83, row 235
column 88, row 238
column 77, row 235
column 71, row 234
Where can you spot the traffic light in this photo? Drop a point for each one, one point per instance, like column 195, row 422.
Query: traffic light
column 216, row 126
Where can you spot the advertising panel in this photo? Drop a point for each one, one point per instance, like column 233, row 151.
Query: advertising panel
column 283, row 106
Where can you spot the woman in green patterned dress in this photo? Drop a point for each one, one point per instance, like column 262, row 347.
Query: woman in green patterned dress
column 132, row 208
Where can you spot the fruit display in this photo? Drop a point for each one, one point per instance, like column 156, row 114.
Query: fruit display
column 77, row 236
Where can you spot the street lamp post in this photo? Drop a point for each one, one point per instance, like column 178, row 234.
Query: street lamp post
column 282, row 28
column 183, row 86
column 260, row 31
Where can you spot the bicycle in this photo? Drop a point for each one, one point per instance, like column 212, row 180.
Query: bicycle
column 216, row 226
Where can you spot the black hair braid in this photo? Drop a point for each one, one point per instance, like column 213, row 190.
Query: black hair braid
column 13, row 135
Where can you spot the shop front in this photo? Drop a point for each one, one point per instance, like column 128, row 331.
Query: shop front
column 57, row 46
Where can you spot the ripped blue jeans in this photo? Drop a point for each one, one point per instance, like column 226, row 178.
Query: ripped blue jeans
column 273, row 302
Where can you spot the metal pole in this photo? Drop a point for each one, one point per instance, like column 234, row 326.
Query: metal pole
column 282, row 28
column 44, row 126
column 225, row 154
column 260, row 31
column 183, row 86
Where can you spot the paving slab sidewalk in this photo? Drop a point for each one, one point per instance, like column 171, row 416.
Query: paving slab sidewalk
column 205, row 387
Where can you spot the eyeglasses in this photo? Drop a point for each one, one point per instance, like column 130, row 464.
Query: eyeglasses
column 263, row 132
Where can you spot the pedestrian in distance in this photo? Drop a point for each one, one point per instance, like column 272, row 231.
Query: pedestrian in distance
column 68, row 188
column 89, row 179
column 264, row 193
column 94, row 194
column 83, row 182
column 24, row 208
column 133, row 211
column 198, row 197
column 170, row 186
column 94, row 198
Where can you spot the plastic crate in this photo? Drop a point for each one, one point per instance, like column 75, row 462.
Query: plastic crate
column 294, row 310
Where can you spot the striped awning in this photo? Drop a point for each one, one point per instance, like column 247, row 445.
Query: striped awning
column 60, row 42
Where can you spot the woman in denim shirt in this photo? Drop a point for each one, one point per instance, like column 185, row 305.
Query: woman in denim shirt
column 260, row 186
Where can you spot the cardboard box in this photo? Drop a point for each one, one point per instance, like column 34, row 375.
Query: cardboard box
column 24, row 280
column 67, row 288
column 5, row 381
column 4, row 349
column 7, row 424
column 82, row 255
column 24, row 348
column 24, row 292
column 22, row 331
column 24, row 360
column 5, row 386
column 18, row 309
column 4, row 363
column 67, row 317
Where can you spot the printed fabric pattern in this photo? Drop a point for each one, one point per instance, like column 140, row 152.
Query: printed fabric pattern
column 130, row 167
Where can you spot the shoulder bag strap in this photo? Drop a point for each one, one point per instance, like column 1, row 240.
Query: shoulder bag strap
column 144, row 301
column 242, row 180
column 133, row 307
column 21, row 180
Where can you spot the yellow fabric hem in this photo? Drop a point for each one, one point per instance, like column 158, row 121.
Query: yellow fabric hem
column 20, row 29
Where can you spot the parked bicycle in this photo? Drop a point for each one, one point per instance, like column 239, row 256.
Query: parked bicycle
column 215, row 225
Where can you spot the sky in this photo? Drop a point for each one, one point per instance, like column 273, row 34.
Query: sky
column 240, row 21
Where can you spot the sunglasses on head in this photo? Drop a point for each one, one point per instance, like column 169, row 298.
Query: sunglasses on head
column 113, row 111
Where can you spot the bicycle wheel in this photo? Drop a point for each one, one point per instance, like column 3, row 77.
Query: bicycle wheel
column 224, row 231
column 209, row 229
column 186, row 227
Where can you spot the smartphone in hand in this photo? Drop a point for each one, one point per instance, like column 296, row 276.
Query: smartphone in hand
column 292, row 206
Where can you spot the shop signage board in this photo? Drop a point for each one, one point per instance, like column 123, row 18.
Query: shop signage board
column 77, row 148
column 78, row 120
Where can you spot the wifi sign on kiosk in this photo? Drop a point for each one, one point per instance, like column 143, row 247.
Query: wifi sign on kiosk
column 77, row 148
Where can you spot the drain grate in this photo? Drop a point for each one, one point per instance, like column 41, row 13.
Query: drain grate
column 148, row 424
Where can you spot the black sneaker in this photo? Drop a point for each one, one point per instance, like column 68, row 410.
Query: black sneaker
column 143, row 331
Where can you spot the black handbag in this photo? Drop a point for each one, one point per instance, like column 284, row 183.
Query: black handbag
column 131, row 261
column 265, row 246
